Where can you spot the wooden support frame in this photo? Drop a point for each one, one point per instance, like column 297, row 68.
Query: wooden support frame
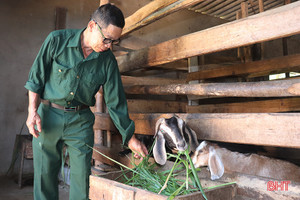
column 262, row 106
column 251, row 69
column 131, row 80
column 270, row 129
column 242, row 32
column 143, row 105
column 282, row 88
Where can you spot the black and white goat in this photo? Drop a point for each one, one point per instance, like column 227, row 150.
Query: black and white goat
column 175, row 134
column 220, row 159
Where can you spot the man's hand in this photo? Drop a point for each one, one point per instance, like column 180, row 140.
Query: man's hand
column 33, row 117
column 32, row 120
column 137, row 147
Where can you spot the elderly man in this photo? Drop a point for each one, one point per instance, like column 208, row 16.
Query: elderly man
column 66, row 74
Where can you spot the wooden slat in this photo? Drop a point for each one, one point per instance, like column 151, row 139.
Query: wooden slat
column 282, row 88
column 263, row 67
column 263, row 106
column 206, row 5
column 270, row 129
column 130, row 80
column 156, row 106
column 154, row 11
column 242, row 32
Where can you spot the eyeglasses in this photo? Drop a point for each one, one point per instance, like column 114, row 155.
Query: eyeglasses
column 107, row 40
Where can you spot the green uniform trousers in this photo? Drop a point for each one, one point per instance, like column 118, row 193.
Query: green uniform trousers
column 59, row 127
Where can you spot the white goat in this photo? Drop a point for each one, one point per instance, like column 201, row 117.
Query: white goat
column 219, row 159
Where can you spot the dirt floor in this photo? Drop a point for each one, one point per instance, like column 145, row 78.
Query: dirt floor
column 9, row 190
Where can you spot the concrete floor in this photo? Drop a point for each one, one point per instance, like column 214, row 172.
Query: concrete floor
column 9, row 190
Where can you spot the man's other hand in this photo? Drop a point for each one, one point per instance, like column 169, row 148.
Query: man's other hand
column 32, row 120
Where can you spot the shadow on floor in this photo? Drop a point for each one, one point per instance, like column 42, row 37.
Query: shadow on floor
column 9, row 190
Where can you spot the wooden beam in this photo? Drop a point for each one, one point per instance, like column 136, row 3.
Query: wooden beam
column 263, row 106
column 154, row 11
column 130, row 80
column 227, row 36
column 284, row 63
column 157, row 106
column 270, row 129
column 282, row 88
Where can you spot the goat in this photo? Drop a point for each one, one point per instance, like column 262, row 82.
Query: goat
column 176, row 134
column 219, row 159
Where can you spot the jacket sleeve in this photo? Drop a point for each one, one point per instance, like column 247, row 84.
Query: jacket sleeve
column 40, row 67
column 116, row 103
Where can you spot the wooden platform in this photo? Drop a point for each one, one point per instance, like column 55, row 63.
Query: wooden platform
column 247, row 187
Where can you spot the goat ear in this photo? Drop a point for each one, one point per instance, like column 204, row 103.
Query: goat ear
column 215, row 165
column 159, row 149
column 193, row 141
column 157, row 125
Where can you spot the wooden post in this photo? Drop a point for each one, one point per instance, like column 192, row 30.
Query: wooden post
column 239, row 51
column 98, row 134
column 60, row 18
column 262, row 45
column 193, row 66
column 284, row 43
column 247, row 50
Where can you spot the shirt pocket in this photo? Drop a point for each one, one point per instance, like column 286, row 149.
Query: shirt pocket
column 61, row 73
column 92, row 79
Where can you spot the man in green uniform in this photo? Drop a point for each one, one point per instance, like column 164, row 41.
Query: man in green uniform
column 66, row 74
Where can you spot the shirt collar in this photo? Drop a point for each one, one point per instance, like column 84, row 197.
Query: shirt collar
column 75, row 39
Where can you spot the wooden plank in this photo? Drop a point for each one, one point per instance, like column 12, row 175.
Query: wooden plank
column 279, row 64
column 263, row 106
column 157, row 106
column 101, row 188
column 242, row 32
column 108, row 189
column 131, row 80
column 269, row 129
column 282, row 88
column 154, row 11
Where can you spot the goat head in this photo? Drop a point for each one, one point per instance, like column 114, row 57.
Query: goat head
column 174, row 133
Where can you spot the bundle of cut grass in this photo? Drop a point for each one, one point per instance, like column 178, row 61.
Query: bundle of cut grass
column 146, row 175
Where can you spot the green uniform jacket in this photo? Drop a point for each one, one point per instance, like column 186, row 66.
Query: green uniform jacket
column 62, row 75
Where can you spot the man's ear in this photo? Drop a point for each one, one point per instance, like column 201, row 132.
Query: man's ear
column 90, row 25
column 215, row 164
